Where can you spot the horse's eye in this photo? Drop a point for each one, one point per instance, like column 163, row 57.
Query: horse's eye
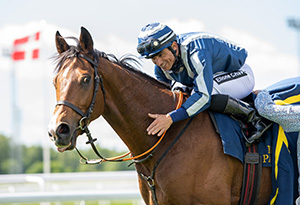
column 86, row 79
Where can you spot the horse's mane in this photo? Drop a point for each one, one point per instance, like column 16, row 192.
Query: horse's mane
column 125, row 62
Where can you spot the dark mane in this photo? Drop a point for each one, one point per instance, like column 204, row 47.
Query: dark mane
column 129, row 62
column 125, row 62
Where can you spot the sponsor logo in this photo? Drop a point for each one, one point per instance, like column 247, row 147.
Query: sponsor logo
column 229, row 76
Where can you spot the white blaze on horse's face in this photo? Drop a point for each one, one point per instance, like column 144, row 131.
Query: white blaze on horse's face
column 52, row 126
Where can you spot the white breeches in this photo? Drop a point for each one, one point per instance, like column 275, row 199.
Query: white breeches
column 237, row 84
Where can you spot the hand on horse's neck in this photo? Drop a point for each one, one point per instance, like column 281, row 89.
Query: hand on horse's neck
column 129, row 100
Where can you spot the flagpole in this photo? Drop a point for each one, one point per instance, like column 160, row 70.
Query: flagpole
column 21, row 53
column 16, row 148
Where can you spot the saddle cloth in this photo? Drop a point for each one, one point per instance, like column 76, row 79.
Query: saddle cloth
column 278, row 150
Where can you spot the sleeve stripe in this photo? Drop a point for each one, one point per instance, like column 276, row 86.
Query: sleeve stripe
column 194, row 108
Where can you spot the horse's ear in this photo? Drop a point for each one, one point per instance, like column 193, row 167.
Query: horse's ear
column 61, row 44
column 86, row 41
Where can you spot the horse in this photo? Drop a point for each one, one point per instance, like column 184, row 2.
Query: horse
column 195, row 169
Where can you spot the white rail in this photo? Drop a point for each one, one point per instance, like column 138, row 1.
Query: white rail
column 87, row 186
column 32, row 197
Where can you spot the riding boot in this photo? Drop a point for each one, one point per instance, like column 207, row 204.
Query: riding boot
column 240, row 111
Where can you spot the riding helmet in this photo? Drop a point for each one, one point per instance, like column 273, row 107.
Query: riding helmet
column 154, row 38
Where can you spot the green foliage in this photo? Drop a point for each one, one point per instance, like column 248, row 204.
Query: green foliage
column 4, row 156
column 30, row 159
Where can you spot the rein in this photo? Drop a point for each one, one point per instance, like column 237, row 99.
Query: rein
column 121, row 157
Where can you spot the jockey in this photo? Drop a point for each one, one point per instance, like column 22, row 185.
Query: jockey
column 207, row 63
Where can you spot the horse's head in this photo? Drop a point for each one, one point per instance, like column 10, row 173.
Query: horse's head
column 76, row 83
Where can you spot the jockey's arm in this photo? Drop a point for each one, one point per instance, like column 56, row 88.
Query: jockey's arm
column 288, row 116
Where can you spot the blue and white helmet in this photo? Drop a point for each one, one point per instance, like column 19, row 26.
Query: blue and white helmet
column 154, row 38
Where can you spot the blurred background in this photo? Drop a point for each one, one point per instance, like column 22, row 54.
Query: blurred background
column 270, row 31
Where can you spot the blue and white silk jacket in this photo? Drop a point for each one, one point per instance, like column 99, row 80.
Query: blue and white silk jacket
column 203, row 55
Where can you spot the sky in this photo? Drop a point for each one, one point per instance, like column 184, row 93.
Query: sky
column 260, row 26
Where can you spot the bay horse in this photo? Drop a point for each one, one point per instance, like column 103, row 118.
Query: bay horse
column 194, row 170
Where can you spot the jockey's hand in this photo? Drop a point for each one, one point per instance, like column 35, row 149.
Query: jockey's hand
column 160, row 124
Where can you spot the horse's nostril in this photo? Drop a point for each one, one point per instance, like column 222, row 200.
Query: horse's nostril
column 63, row 129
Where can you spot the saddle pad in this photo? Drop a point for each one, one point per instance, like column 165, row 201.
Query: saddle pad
column 278, row 150
column 233, row 140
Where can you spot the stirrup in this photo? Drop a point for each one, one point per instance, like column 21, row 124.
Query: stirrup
column 257, row 135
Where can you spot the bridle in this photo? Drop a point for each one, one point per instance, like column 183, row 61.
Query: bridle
column 84, row 121
column 97, row 80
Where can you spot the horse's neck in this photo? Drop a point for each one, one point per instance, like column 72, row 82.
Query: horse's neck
column 129, row 99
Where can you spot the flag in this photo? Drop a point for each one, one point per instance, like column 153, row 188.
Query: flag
column 26, row 48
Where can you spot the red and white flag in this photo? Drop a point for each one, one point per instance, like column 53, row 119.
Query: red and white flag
column 26, row 48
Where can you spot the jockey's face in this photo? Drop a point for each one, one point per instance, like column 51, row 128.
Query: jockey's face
column 165, row 59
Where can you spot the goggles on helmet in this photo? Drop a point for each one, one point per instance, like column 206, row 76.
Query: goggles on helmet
column 148, row 47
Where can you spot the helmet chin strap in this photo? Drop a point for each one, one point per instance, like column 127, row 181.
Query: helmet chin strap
column 178, row 61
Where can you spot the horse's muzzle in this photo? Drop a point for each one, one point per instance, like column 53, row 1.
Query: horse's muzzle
column 61, row 135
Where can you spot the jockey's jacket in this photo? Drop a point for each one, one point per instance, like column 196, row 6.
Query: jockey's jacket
column 203, row 55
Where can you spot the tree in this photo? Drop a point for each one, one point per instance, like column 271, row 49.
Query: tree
column 4, row 156
column 32, row 159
